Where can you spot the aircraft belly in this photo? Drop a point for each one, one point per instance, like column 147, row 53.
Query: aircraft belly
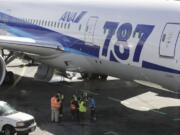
column 78, row 63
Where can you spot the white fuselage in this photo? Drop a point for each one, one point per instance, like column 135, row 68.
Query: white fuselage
column 126, row 39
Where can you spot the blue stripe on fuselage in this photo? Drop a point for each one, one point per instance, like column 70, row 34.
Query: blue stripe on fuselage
column 24, row 29
column 153, row 66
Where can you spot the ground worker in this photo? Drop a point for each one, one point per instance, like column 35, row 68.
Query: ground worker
column 75, row 97
column 73, row 107
column 82, row 110
column 85, row 96
column 92, row 106
column 55, row 105
column 78, row 101
column 61, row 99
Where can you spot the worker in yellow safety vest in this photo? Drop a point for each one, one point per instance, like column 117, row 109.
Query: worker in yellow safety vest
column 82, row 110
column 55, row 105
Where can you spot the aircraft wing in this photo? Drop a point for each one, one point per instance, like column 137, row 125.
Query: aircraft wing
column 30, row 45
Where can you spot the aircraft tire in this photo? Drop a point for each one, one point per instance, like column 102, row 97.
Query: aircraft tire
column 9, row 79
column 103, row 77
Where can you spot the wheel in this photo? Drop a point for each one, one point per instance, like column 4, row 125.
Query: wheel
column 93, row 77
column 22, row 133
column 9, row 79
column 103, row 77
column 84, row 76
column 8, row 130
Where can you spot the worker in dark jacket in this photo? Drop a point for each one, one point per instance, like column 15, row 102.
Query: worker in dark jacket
column 73, row 107
column 92, row 106
column 55, row 105
column 61, row 99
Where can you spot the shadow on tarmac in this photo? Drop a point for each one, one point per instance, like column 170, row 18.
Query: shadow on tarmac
column 33, row 97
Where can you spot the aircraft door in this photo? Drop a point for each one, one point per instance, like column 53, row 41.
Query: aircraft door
column 169, row 40
column 178, row 48
column 90, row 29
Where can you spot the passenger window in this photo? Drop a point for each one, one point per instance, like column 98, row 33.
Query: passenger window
column 52, row 24
column 39, row 22
column 164, row 37
column 42, row 22
column 34, row 21
column 45, row 23
column 55, row 24
column 58, row 25
column 87, row 28
column 61, row 25
column 104, row 31
column 80, row 27
column 69, row 25
column 65, row 25
column 49, row 23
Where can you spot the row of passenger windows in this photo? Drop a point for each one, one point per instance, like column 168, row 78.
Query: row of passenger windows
column 48, row 23
column 44, row 23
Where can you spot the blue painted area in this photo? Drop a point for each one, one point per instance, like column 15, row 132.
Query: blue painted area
column 149, row 65
column 124, row 55
column 123, row 34
column 112, row 58
column 80, row 16
column 20, row 28
column 144, row 32
column 109, row 27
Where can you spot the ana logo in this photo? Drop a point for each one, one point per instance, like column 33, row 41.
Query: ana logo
column 74, row 17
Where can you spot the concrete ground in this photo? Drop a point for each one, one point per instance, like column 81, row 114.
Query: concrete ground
column 123, row 108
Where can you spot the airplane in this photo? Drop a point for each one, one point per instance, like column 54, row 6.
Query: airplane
column 131, row 39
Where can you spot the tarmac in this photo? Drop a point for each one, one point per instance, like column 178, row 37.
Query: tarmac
column 123, row 107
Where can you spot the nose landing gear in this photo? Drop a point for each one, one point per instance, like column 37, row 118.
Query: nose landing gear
column 87, row 76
